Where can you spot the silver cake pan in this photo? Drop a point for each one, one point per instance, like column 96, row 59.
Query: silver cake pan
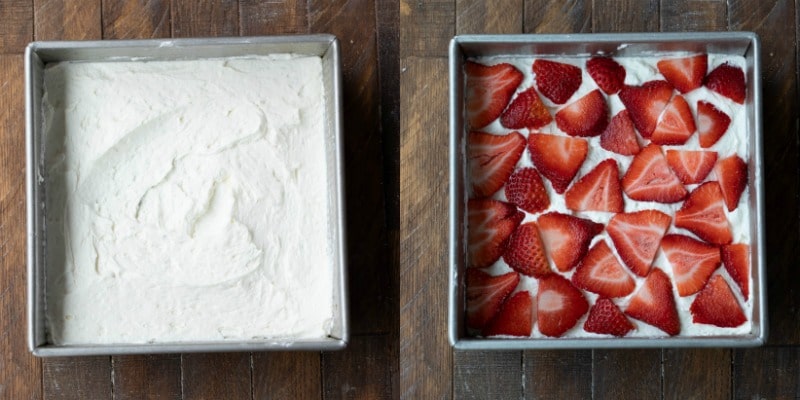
column 39, row 54
column 630, row 44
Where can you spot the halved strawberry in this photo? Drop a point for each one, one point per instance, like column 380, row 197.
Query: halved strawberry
column 649, row 178
column 727, row 80
column 526, row 111
column 587, row 116
column 526, row 190
column 488, row 91
column 676, row 123
column 637, row 237
column 736, row 258
column 685, row 73
column 490, row 223
column 558, row 158
column 492, row 159
column 703, row 214
column 732, row 176
column 712, row 123
column 619, row 135
column 598, row 190
column 566, row 238
column 607, row 73
column 645, row 104
column 692, row 262
column 716, row 305
column 691, row 166
column 485, row 294
column 601, row 273
column 556, row 81
column 515, row 317
column 606, row 318
column 525, row 253
column 559, row 305
column 654, row 303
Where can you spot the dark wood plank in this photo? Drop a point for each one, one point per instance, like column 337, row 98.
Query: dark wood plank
column 77, row 378
column 258, row 17
column 20, row 372
column 426, row 359
column 216, row 376
column 141, row 19
column 362, row 371
column 67, row 20
column 774, row 21
column 627, row 374
column 697, row 374
column 426, row 27
column 203, row 18
column 151, row 377
column 16, row 29
column 625, row 16
column 389, row 73
column 767, row 373
column 487, row 375
column 557, row 16
column 287, row 375
column 694, row 15
column 476, row 16
column 562, row 374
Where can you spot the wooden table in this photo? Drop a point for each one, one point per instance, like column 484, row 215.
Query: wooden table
column 395, row 74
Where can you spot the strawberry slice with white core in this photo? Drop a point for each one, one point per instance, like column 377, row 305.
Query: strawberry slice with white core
column 649, row 178
column 736, row 258
column 692, row 262
column 732, row 176
column 485, row 294
column 525, row 253
column 703, row 214
column 515, row 317
column 637, row 237
column 716, row 305
column 685, row 73
column 712, row 123
column 557, row 81
column 691, row 166
column 587, row 116
column 566, row 238
column 598, row 190
column 491, row 160
column 727, row 80
column 620, row 136
column 489, row 225
column 526, row 190
column 559, row 305
column 488, row 91
column 558, row 158
column 526, row 111
column 676, row 123
column 607, row 73
column 654, row 303
column 601, row 273
column 606, row 318
column 645, row 104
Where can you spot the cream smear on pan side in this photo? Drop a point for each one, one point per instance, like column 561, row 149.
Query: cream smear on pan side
column 186, row 201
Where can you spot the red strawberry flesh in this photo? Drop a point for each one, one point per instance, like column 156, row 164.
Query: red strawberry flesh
column 607, row 73
column 558, row 158
column 492, row 159
column 598, row 190
column 601, row 273
column 485, row 294
column 559, row 305
column 566, row 238
column 526, row 190
column 606, row 318
column 676, row 123
column 685, row 73
column 587, row 116
column 488, row 91
column 556, row 81
column 727, row 80
column 654, row 303
column 526, row 111
column 691, row 166
column 515, row 317
column 649, row 178
column 525, row 253
column 645, row 104
column 712, row 123
column 637, row 237
column 716, row 305
column 703, row 214
column 490, row 224
column 732, row 176
column 620, row 136
column 692, row 262
column 736, row 258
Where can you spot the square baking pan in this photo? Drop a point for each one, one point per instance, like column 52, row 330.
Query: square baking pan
column 39, row 54
column 462, row 48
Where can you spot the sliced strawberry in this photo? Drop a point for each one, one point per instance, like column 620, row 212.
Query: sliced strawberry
column 711, row 123
column 637, row 237
column 685, row 73
column 732, row 176
column 515, row 317
column 525, row 253
column 654, row 303
column 556, row 81
column 587, row 116
column 676, row 123
column 488, row 91
column 607, row 73
column 716, row 305
column 598, row 190
column 526, row 190
column 619, row 136
column 559, row 305
column 526, row 111
column 649, row 178
column 566, row 238
column 606, row 318
column 492, row 159
column 727, row 80
column 692, row 261
column 704, row 215
column 691, row 166
column 485, row 294
column 736, row 258
column 558, row 158
column 490, row 223
column 645, row 104
column 601, row 273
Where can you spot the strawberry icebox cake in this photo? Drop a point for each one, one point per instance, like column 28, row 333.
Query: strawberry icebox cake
column 607, row 197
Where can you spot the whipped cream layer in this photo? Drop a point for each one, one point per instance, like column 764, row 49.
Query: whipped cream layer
column 736, row 141
column 186, row 201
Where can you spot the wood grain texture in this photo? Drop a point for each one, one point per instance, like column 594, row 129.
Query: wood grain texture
column 77, row 378
column 694, row 15
column 557, row 16
column 286, row 375
column 627, row 374
column 67, row 20
column 701, row 374
column 205, row 18
column 557, row 374
column 361, row 371
column 476, row 16
column 487, row 375
column 425, row 356
column 216, row 376
column 16, row 26
column 389, row 81
column 426, row 27
column 767, row 373
column 258, row 17
column 625, row 16
column 20, row 372
column 136, row 19
column 151, row 377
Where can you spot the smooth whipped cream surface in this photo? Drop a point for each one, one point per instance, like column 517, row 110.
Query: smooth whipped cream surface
column 736, row 141
column 186, row 201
